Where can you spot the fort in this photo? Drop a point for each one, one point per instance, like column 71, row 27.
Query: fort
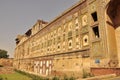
column 84, row 38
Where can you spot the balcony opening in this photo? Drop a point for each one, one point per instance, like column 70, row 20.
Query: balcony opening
column 94, row 16
column 96, row 32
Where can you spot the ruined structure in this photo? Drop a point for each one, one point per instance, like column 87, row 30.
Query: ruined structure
column 82, row 39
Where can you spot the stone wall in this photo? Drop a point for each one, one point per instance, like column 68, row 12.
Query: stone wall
column 6, row 62
column 75, row 41
column 118, row 42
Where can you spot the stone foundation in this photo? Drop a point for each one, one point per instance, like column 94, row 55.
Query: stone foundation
column 105, row 71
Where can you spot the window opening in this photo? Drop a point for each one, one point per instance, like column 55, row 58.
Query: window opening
column 70, row 44
column 94, row 16
column 96, row 32
column 86, row 40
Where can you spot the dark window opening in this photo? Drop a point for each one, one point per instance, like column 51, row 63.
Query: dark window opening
column 85, row 40
column 70, row 44
column 94, row 16
column 28, row 33
column 96, row 32
column 58, row 47
column 17, row 41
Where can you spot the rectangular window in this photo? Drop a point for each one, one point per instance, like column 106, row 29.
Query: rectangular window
column 69, row 35
column 70, row 44
column 96, row 32
column 58, row 47
column 94, row 16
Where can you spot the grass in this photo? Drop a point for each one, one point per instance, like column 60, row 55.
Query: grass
column 14, row 76
column 20, row 75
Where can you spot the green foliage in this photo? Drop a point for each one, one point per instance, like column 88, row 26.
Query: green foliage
column 1, row 78
column 65, row 78
column 55, row 78
column 14, row 76
column 3, row 54
column 34, row 77
column 86, row 74
column 69, row 78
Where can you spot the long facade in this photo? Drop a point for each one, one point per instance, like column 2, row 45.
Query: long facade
column 78, row 40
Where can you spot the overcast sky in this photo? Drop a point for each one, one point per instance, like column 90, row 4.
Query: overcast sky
column 17, row 16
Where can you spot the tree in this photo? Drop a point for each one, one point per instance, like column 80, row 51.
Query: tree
column 3, row 54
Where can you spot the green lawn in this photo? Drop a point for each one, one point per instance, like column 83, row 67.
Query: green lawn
column 14, row 76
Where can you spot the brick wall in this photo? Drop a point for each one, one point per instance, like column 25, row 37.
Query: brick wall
column 105, row 71
column 6, row 62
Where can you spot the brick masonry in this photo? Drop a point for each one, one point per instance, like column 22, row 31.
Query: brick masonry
column 105, row 71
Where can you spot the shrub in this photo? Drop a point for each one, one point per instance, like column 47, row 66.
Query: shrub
column 34, row 77
column 65, row 78
column 69, row 78
column 47, row 79
column 55, row 78
column 6, row 78
column 86, row 74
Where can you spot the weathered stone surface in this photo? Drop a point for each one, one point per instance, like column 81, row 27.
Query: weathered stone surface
column 6, row 62
column 81, row 38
